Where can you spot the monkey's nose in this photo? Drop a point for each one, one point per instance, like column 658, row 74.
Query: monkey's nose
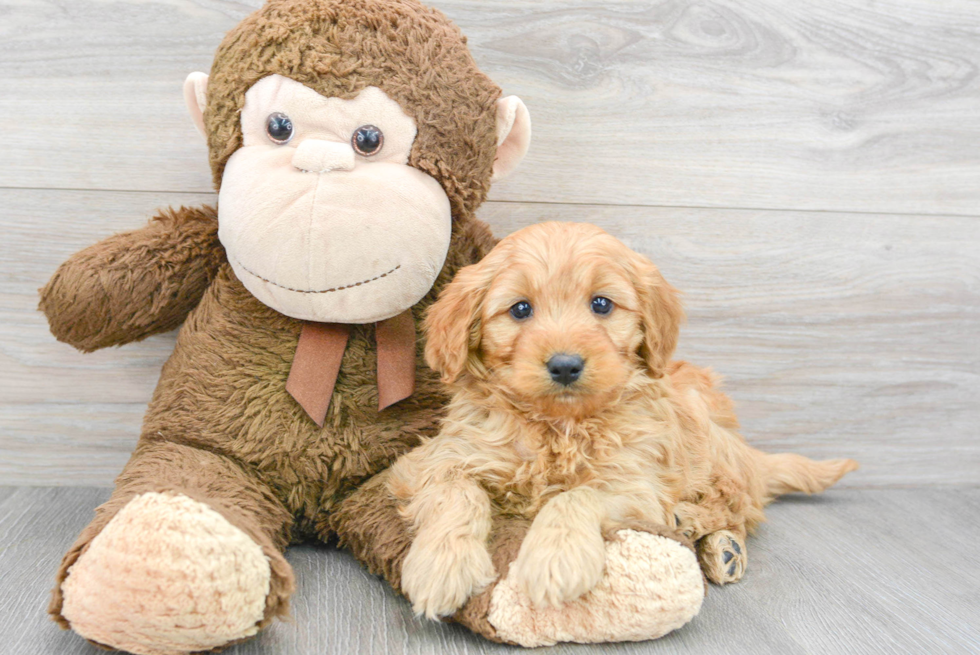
column 565, row 369
column 317, row 156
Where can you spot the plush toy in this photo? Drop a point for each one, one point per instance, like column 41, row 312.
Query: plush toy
column 351, row 142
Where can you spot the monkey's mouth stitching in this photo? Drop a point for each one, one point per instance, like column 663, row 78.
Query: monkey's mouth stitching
column 346, row 286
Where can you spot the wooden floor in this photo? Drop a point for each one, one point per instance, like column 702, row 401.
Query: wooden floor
column 851, row 572
column 807, row 173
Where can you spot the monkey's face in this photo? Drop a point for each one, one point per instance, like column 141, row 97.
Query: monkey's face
column 321, row 215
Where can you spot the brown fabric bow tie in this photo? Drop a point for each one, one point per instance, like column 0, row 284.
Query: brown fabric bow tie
column 321, row 347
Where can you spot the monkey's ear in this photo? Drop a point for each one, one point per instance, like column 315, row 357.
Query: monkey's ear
column 196, row 97
column 513, row 135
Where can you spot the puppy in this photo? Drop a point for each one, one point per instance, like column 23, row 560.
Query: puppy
column 567, row 410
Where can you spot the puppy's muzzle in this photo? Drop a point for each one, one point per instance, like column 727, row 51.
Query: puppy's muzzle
column 565, row 369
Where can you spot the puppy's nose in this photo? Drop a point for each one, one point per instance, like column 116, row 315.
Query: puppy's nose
column 565, row 369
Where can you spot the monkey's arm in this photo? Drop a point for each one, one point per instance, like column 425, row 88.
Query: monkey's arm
column 135, row 284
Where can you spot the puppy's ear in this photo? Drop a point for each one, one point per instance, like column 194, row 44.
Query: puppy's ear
column 661, row 315
column 452, row 324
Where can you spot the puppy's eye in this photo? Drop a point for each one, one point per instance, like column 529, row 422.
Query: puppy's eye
column 601, row 305
column 279, row 128
column 367, row 140
column 521, row 310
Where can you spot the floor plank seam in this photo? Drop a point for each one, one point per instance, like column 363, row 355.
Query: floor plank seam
column 558, row 203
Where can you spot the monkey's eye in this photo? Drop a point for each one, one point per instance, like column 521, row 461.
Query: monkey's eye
column 279, row 128
column 367, row 140
column 601, row 305
column 521, row 310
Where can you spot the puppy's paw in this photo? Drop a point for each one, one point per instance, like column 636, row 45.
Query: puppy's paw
column 685, row 527
column 555, row 566
column 439, row 576
column 723, row 558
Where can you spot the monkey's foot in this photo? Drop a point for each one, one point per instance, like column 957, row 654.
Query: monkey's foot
column 167, row 575
column 651, row 585
column 723, row 557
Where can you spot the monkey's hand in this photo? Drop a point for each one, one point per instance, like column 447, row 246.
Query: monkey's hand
column 134, row 284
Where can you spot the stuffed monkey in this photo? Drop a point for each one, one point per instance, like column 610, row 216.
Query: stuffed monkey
column 351, row 142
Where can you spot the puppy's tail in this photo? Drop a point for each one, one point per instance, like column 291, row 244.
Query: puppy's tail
column 788, row 472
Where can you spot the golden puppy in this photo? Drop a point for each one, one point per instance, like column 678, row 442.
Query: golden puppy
column 568, row 410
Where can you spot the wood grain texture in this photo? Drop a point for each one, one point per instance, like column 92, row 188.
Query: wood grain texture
column 840, row 334
column 852, row 572
column 823, row 104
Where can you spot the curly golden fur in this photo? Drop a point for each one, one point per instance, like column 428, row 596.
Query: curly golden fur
column 634, row 437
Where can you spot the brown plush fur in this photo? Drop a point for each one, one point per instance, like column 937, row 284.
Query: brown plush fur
column 221, row 428
column 633, row 438
column 222, row 394
column 136, row 284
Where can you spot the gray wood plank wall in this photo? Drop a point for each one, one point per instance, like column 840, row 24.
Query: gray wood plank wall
column 807, row 173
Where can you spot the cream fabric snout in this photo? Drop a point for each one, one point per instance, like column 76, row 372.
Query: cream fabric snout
column 359, row 240
column 319, row 156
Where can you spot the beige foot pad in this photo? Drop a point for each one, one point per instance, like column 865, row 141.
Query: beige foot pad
column 651, row 586
column 167, row 575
